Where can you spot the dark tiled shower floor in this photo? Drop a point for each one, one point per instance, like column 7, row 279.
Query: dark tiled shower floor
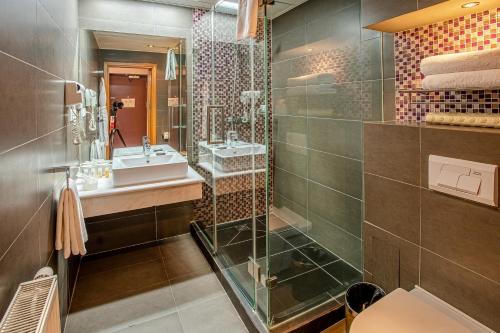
column 308, row 274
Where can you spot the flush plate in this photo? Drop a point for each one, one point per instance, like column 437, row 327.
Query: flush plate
column 465, row 179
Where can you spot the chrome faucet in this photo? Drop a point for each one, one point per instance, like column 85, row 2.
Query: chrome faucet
column 146, row 146
column 232, row 138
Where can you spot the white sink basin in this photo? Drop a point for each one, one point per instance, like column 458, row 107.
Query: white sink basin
column 127, row 151
column 137, row 169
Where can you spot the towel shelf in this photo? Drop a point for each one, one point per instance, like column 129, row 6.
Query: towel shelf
column 454, row 102
column 465, row 97
column 427, row 91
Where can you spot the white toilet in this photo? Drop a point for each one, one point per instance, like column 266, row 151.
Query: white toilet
column 417, row 311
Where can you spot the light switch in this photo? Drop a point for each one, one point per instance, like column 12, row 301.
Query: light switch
column 469, row 184
column 466, row 179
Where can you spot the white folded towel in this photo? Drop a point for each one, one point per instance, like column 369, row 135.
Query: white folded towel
column 486, row 79
column 71, row 233
column 461, row 62
column 248, row 15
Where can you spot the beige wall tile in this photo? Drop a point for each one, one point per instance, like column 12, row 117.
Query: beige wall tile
column 18, row 198
column 122, row 232
column 173, row 221
column 18, row 116
column 476, row 296
column 462, row 231
column 474, row 144
column 402, row 254
column 393, row 206
column 392, row 151
column 19, row 264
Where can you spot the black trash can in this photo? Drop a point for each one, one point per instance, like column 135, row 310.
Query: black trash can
column 358, row 297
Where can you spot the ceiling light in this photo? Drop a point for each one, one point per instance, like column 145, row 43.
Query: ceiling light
column 309, row 49
column 470, row 4
column 150, row 46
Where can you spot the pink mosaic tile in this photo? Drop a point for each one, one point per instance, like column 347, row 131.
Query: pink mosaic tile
column 223, row 86
column 480, row 31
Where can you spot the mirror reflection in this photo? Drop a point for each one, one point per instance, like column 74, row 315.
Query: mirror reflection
column 141, row 97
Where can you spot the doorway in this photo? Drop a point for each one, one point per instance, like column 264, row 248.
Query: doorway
column 132, row 120
column 133, row 85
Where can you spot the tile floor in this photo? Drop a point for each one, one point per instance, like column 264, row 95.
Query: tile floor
column 308, row 274
column 160, row 288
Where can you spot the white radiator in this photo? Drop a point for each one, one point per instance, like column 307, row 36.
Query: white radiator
column 34, row 308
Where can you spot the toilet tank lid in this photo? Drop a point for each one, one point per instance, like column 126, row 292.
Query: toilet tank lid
column 403, row 312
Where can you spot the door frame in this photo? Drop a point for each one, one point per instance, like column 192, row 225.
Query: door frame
column 111, row 67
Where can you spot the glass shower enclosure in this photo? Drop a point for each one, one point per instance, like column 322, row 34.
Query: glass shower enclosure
column 267, row 252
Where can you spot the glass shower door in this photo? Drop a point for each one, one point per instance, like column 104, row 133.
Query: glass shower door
column 233, row 154
column 240, row 185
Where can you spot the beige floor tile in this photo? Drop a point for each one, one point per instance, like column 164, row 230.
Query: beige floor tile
column 121, row 313
column 97, row 264
column 186, row 264
column 169, row 323
column 170, row 288
column 194, row 289
column 114, row 284
column 175, row 247
column 214, row 316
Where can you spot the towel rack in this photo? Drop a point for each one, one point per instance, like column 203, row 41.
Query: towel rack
column 65, row 168
column 460, row 100
column 464, row 93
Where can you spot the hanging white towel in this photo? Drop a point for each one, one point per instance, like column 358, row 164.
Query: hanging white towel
column 171, row 66
column 102, row 118
column 71, row 233
column 90, row 106
column 79, row 209
column 246, row 25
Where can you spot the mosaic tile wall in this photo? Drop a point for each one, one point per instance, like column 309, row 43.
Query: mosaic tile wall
column 231, row 76
column 480, row 31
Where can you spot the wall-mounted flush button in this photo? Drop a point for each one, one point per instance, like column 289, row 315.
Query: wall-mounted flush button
column 469, row 184
column 450, row 174
column 465, row 179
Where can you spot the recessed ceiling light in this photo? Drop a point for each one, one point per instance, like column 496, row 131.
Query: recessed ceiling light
column 150, row 46
column 309, row 49
column 470, row 4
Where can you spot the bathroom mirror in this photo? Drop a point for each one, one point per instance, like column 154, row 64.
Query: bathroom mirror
column 215, row 124
column 141, row 86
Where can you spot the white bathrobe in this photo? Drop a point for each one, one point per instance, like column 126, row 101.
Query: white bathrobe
column 103, row 113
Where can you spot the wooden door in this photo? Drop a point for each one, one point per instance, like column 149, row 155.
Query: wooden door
column 132, row 120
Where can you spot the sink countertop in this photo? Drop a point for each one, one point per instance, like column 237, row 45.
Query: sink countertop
column 105, row 185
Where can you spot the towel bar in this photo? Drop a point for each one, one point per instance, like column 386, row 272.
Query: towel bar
column 65, row 168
